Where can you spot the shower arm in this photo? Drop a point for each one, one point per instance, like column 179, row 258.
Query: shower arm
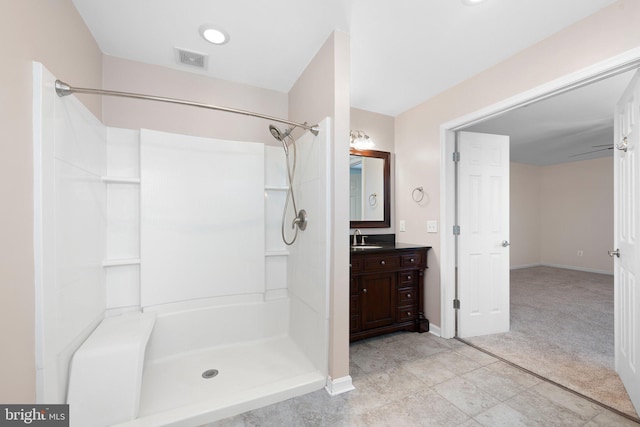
column 63, row 89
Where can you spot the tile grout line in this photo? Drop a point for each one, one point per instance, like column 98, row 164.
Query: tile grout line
column 602, row 405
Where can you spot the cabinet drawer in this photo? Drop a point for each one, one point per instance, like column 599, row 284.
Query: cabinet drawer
column 407, row 296
column 411, row 260
column 406, row 313
column 355, row 264
column 407, row 277
column 382, row 262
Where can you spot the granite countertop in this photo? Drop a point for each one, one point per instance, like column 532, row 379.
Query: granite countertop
column 381, row 247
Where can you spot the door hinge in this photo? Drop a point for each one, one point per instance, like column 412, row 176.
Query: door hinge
column 456, row 230
column 456, row 156
column 456, row 304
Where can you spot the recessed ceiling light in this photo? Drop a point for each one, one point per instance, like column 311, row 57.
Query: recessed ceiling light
column 213, row 35
column 472, row 2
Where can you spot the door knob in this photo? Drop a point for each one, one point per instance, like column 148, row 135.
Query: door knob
column 614, row 253
column 505, row 243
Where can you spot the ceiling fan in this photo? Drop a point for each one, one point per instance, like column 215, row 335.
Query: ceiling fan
column 607, row 147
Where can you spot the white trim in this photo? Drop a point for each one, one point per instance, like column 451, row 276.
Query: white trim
column 435, row 330
column 566, row 267
column 586, row 270
column 120, row 180
column 519, row 267
column 598, row 71
column 339, row 385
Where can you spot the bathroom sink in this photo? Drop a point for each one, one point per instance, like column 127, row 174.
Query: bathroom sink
column 366, row 247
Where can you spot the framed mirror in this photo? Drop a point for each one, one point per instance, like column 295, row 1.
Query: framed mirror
column 369, row 189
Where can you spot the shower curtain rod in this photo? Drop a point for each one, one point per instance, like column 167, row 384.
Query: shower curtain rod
column 63, row 89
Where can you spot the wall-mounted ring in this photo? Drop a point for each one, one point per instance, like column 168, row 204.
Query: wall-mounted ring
column 420, row 195
column 373, row 199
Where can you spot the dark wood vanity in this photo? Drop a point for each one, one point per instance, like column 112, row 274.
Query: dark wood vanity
column 387, row 289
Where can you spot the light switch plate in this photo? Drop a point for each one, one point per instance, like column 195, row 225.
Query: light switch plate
column 432, row 226
column 402, row 225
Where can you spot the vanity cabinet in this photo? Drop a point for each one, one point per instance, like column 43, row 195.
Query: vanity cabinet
column 386, row 291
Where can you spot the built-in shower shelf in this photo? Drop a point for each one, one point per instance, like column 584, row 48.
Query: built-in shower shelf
column 120, row 261
column 276, row 188
column 276, row 253
column 119, row 180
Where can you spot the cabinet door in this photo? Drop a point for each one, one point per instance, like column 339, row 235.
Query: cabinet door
column 378, row 294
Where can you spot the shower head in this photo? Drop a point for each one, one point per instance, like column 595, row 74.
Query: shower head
column 280, row 136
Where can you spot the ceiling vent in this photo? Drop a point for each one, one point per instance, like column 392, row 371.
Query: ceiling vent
column 193, row 59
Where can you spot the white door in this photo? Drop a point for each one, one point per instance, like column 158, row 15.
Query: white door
column 483, row 242
column 626, row 229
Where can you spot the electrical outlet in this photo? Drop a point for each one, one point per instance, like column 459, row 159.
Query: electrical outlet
column 403, row 226
column 580, row 252
column 432, row 226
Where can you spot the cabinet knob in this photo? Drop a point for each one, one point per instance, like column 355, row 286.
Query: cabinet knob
column 408, row 277
column 408, row 313
column 408, row 295
column 364, row 290
column 382, row 262
column 413, row 260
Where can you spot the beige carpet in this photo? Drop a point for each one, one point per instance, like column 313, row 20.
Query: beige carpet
column 562, row 329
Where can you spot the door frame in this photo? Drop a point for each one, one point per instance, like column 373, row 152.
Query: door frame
column 601, row 70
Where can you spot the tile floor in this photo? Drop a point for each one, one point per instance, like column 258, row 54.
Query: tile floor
column 409, row 379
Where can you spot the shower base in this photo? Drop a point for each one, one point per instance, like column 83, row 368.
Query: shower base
column 250, row 375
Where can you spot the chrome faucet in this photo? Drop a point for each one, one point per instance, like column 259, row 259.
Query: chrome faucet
column 355, row 233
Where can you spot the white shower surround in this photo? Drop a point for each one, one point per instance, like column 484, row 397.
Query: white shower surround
column 289, row 313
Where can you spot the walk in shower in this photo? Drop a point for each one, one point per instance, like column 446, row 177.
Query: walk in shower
column 164, row 253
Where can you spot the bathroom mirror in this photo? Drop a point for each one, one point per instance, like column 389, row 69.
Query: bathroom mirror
column 369, row 189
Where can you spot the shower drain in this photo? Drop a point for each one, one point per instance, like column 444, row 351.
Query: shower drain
column 209, row 373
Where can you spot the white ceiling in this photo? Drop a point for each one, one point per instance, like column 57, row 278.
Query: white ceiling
column 565, row 128
column 402, row 52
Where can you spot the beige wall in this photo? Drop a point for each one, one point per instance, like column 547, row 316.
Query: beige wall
column 576, row 214
column 50, row 32
column 603, row 35
column 131, row 76
column 380, row 127
column 323, row 90
column 559, row 210
column 524, row 224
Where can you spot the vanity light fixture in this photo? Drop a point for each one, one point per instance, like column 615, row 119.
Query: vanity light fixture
column 361, row 140
column 213, row 35
column 472, row 2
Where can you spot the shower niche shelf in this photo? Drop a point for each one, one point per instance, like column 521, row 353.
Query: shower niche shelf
column 120, row 180
column 120, row 262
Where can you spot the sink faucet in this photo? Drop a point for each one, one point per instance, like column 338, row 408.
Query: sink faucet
column 355, row 233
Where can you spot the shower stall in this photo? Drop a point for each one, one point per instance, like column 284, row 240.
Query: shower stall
column 166, row 294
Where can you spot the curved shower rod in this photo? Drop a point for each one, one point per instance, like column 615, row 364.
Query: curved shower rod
column 63, row 89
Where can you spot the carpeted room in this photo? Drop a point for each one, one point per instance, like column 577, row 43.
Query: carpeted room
column 561, row 279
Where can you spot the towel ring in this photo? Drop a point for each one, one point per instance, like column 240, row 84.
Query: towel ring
column 420, row 196
column 373, row 199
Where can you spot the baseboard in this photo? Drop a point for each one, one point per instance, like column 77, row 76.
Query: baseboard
column 435, row 330
column 586, row 270
column 339, row 385
column 518, row 267
column 566, row 267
